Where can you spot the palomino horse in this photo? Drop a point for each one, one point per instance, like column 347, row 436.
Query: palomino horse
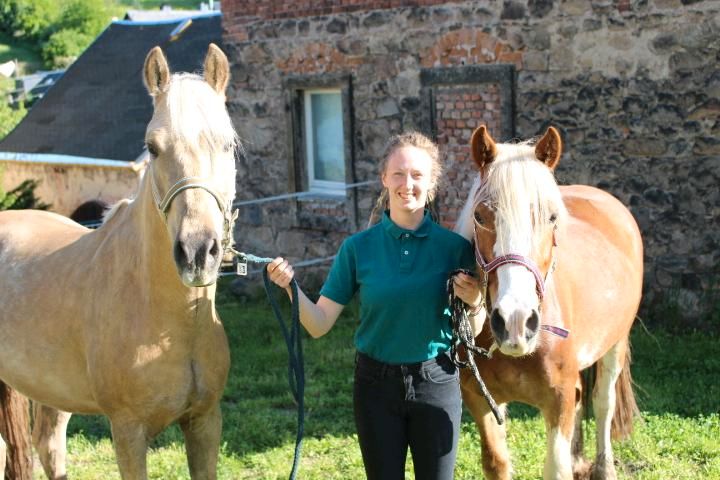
column 121, row 321
column 556, row 259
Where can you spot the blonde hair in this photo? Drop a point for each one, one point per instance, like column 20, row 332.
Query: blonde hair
column 402, row 140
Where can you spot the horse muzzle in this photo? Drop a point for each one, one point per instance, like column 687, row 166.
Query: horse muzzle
column 197, row 258
column 516, row 335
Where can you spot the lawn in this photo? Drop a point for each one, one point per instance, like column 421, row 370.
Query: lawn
column 25, row 53
column 677, row 390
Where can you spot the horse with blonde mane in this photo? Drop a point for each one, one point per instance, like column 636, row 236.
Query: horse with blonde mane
column 563, row 269
column 121, row 321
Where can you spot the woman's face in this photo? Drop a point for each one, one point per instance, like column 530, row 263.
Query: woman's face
column 408, row 178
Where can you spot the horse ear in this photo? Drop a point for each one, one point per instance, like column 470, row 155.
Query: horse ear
column 549, row 149
column 217, row 69
column 483, row 147
column 156, row 72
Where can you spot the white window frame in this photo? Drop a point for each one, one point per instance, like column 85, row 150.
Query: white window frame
column 324, row 187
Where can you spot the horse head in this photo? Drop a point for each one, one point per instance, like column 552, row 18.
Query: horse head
column 515, row 210
column 191, row 143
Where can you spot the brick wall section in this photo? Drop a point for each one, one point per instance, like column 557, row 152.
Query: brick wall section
column 633, row 87
column 469, row 47
column 460, row 110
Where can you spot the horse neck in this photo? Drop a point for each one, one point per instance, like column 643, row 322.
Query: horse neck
column 154, row 248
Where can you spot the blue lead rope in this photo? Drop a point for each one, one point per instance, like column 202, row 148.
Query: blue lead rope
column 293, row 341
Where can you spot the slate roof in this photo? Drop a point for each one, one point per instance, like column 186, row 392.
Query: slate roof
column 155, row 15
column 100, row 108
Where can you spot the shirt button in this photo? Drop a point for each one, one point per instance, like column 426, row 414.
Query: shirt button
column 406, row 252
column 407, row 235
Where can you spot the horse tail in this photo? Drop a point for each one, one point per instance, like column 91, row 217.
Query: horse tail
column 15, row 430
column 587, row 378
column 626, row 408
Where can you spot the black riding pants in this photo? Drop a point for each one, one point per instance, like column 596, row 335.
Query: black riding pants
column 399, row 406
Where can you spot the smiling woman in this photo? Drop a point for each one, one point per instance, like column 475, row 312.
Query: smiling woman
column 406, row 392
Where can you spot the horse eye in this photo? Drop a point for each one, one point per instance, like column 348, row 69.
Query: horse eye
column 228, row 147
column 479, row 219
column 553, row 218
column 152, row 149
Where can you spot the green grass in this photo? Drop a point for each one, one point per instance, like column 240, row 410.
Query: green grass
column 676, row 377
column 25, row 53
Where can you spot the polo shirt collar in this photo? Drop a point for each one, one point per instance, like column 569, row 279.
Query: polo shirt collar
column 422, row 231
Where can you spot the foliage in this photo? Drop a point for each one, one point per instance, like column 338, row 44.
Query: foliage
column 63, row 47
column 61, row 29
column 9, row 117
column 29, row 19
column 22, row 197
column 676, row 386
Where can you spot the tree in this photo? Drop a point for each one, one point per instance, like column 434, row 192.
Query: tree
column 61, row 29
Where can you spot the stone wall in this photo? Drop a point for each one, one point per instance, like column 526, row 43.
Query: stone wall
column 633, row 85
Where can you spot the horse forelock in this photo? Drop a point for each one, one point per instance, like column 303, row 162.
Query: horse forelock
column 195, row 115
column 523, row 192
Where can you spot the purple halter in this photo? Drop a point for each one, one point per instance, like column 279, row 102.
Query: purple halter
column 511, row 258
column 517, row 259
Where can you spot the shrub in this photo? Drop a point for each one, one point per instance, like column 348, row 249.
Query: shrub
column 64, row 46
column 31, row 19
column 22, row 197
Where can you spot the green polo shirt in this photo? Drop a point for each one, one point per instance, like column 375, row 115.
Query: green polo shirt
column 401, row 277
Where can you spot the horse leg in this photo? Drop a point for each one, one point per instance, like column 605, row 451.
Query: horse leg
column 604, row 400
column 580, row 465
column 560, row 425
column 48, row 436
column 202, row 442
column 130, row 442
column 15, row 431
column 495, row 455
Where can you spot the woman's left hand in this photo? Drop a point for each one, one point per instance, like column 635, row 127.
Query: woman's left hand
column 467, row 288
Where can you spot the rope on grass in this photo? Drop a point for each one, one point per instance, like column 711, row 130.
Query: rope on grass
column 293, row 341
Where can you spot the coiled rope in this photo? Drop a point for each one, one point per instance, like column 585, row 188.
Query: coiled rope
column 462, row 335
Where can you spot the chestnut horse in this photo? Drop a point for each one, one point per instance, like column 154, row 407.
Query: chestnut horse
column 567, row 260
column 121, row 321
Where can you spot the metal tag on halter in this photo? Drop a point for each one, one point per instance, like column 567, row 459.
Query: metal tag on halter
column 241, row 266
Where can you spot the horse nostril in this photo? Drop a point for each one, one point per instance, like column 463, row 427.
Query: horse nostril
column 497, row 325
column 214, row 248
column 207, row 256
column 532, row 324
column 180, row 254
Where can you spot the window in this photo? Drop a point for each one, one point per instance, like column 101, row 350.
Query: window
column 324, row 141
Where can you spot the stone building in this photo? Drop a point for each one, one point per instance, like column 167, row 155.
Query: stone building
column 633, row 85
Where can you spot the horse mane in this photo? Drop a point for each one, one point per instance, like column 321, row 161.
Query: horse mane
column 522, row 191
column 108, row 214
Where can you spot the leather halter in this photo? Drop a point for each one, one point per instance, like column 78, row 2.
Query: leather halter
column 187, row 183
column 512, row 258
column 517, row 259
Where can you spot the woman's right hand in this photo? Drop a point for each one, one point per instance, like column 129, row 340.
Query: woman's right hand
column 280, row 272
